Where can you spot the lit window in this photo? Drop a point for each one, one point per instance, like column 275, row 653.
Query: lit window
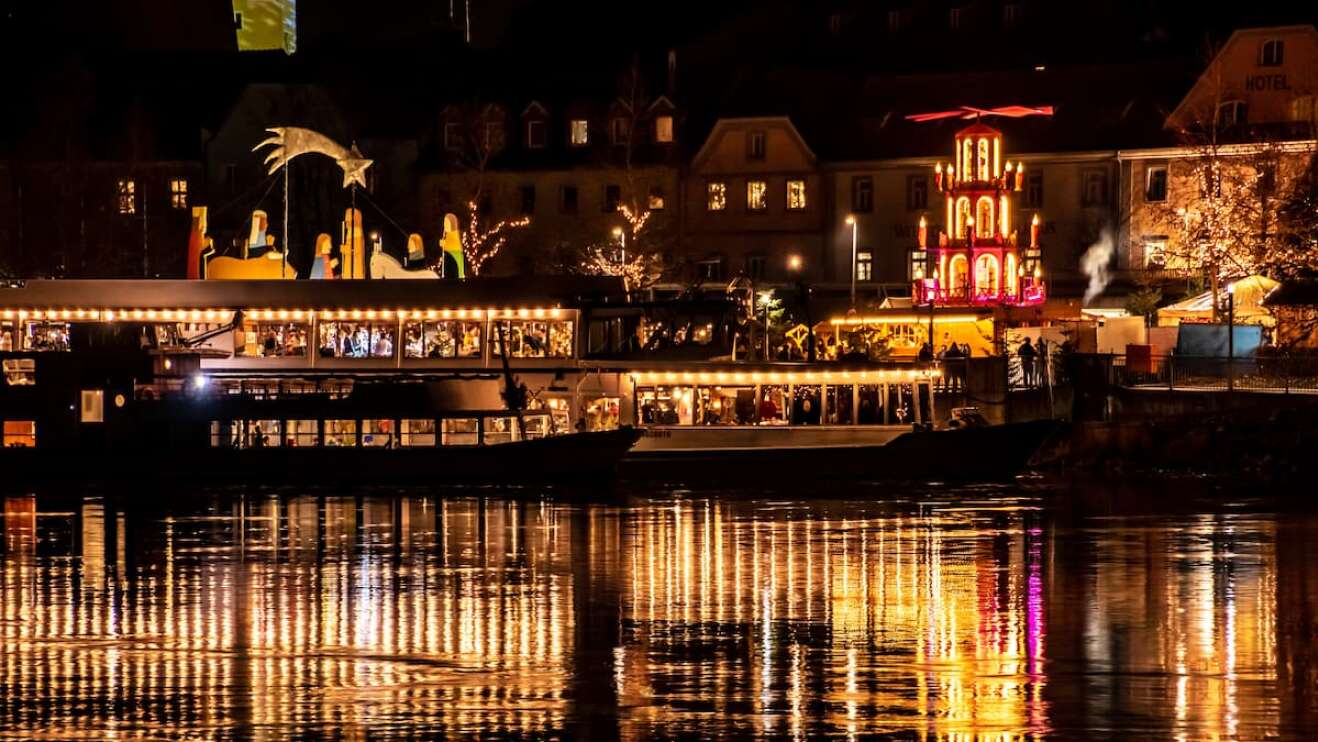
column 710, row 269
column 1271, row 53
column 443, row 339
column 795, row 195
column 716, row 196
column 663, row 129
column 20, row 434
column 532, row 338
column 417, row 433
column 1231, row 113
column 341, row 339
column 864, row 265
column 301, row 433
column 378, row 433
column 459, row 431
column 862, row 194
column 93, row 406
column 501, row 429
column 18, row 371
column 1155, row 253
column 656, row 198
column 755, row 145
column 757, row 195
column 579, row 134
column 1155, row 184
column 453, row 136
column 621, row 130
column 126, row 195
column 178, row 193
column 567, row 199
column 263, row 434
column 271, row 339
column 535, row 134
column 340, row 432
column 1303, row 109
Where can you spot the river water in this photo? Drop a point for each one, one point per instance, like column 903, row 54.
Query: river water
column 1167, row 610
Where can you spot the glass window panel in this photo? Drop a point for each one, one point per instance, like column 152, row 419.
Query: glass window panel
column 726, row 405
column 379, row 433
column 500, row 430
column 870, row 410
column 262, row 433
column 534, row 338
column 20, row 433
column 443, row 339
column 272, row 339
column 46, row 336
column 416, row 433
column 601, row 413
column 301, row 433
column 357, row 339
column 773, row 405
column 666, row 405
column 807, row 404
column 459, row 431
column 838, row 405
column 340, row 432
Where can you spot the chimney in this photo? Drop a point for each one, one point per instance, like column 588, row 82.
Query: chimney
column 672, row 72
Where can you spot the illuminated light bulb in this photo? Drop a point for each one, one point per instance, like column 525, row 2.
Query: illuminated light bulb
column 462, row 313
column 108, row 314
column 298, row 314
column 283, row 314
column 553, row 312
column 370, row 314
column 523, row 312
column 539, row 312
column 386, row 313
column 7, row 314
column 356, row 314
column 430, row 314
column 137, row 314
column 81, row 313
column 267, row 314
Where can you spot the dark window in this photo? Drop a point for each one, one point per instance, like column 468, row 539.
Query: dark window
column 535, row 134
column 1272, row 52
column 917, row 192
column 755, row 145
column 1095, row 188
column 1155, row 183
column 621, row 130
column 896, row 21
column 452, row 136
column 1034, row 191
column 568, row 199
column 954, row 18
column 710, row 269
column 485, row 205
column 1231, row 113
column 528, row 200
column 862, row 194
column 1011, row 15
column 755, row 266
column 443, row 200
column 612, row 198
column 494, row 136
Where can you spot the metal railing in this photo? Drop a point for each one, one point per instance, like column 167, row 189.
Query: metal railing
column 1265, row 372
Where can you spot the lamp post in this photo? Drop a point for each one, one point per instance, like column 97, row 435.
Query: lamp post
column 1230, row 336
column 795, row 264
column 851, row 220
column 622, row 241
column 766, row 300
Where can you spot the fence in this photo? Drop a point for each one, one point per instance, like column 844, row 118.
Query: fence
column 1266, row 372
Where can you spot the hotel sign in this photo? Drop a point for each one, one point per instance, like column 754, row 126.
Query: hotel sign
column 1266, row 82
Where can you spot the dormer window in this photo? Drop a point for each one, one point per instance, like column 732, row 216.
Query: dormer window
column 663, row 129
column 535, row 134
column 453, row 136
column 578, row 133
column 755, row 145
column 494, row 136
column 1272, row 52
column 620, row 130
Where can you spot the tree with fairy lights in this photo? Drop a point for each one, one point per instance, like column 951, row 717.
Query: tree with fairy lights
column 473, row 136
column 1297, row 226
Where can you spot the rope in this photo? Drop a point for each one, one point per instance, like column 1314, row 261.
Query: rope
column 383, row 213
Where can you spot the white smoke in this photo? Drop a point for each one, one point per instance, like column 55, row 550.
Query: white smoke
column 1095, row 263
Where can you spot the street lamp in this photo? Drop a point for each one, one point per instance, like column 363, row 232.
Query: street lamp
column 794, row 264
column 622, row 240
column 851, row 220
column 766, row 300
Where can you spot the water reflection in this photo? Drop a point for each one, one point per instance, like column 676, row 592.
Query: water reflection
column 976, row 616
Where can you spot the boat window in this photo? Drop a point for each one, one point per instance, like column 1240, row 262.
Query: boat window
column 20, row 433
column 500, row 430
column 340, row 432
column 7, row 336
column 807, row 404
column 379, row 433
column 418, row 432
column 534, row 338
column 224, row 434
column 726, row 405
column 459, row 431
column 871, row 405
column 665, row 405
column 838, row 404
column 900, row 409
column 301, row 433
column 20, row 371
column 535, row 426
column 262, row 433
column 357, row 339
column 272, row 339
column 46, row 336
column 559, row 411
column 444, row 339
column 601, row 413
column 773, row 407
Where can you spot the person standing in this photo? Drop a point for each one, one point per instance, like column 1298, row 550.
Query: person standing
column 1026, row 354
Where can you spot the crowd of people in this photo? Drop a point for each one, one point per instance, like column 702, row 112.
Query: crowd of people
column 443, row 340
column 356, row 340
column 274, row 340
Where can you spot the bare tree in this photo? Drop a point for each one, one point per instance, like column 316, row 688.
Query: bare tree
column 472, row 138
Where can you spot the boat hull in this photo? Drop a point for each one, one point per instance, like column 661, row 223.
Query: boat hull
column 576, row 456
column 971, row 454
